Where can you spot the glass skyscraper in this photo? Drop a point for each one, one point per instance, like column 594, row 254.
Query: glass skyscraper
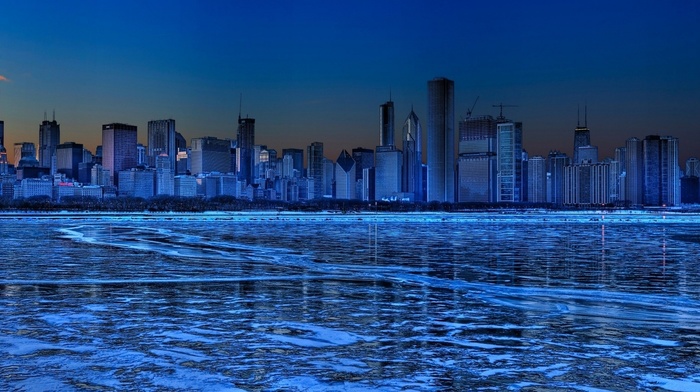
column 49, row 138
column 118, row 149
column 509, row 156
column 412, row 177
column 386, row 124
column 162, row 140
column 441, row 150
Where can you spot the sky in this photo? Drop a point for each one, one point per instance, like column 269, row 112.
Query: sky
column 318, row 70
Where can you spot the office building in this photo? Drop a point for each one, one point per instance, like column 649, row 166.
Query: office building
column 24, row 150
column 297, row 156
column 137, row 183
column 586, row 184
column 634, row 172
column 165, row 184
column 692, row 167
column 162, row 139
column 49, row 138
column 440, row 142
column 387, row 172
column 587, row 154
column 118, row 149
column 509, row 153
column 364, row 159
column 314, row 166
column 582, row 137
column 476, row 177
column 345, row 176
column 661, row 171
column 412, row 168
column 69, row 155
column 537, row 179
column 245, row 145
column 386, row 124
column 210, row 154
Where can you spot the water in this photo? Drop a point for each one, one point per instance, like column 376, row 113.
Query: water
column 355, row 302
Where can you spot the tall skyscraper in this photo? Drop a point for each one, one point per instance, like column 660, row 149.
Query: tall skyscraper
column 509, row 155
column 661, row 171
column 162, row 140
column 582, row 136
column 556, row 161
column 165, row 178
column 69, row 155
column 244, row 150
column 476, row 177
column 364, row 159
column 441, row 150
column 412, row 177
column 49, row 138
column 692, row 167
column 2, row 133
column 314, row 166
column 634, row 171
column 118, row 149
column 386, row 124
column 537, row 179
column 345, row 176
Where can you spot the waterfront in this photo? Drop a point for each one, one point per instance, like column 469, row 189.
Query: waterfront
column 350, row 302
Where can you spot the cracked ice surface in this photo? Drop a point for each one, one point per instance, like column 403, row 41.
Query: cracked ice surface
column 350, row 302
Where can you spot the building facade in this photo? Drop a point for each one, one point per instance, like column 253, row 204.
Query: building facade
column 440, row 141
column 118, row 149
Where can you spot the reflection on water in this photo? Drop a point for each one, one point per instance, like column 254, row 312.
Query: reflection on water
column 357, row 302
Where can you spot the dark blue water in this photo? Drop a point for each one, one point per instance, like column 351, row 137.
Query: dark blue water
column 322, row 302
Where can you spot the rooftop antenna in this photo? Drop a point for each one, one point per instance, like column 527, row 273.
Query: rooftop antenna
column 501, row 105
column 54, row 115
column 240, row 106
column 585, row 116
column 578, row 116
column 45, row 119
column 389, row 94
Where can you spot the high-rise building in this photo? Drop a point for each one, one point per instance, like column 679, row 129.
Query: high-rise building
column 118, row 149
column 661, row 171
column 364, row 159
column 165, row 178
column 24, row 150
column 69, row 155
column 537, row 179
column 634, row 171
column 49, row 138
column 162, row 139
column 387, row 172
column 314, row 166
column 441, row 150
column 2, row 134
column 477, row 160
column 210, row 154
column 586, row 184
column 412, row 176
column 587, row 154
column 245, row 145
column 386, row 124
column 582, row 137
column 509, row 152
column 345, row 176
column 297, row 155
column 692, row 167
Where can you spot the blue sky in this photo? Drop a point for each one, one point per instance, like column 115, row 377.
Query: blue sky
column 318, row 71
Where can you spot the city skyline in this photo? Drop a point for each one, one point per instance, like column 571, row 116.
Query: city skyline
column 317, row 72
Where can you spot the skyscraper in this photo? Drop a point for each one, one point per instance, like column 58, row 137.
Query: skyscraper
column 118, row 149
column 314, row 166
column 412, row 176
column 2, row 133
column 537, row 179
column 49, row 138
column 441, row 171
column 210, row 154
column 364, row 159
column 297, row 155
column 345, row 176
column 692, row 167
column 661, row 171
column 69, row 155
column 582, row 136
column 476, row 177
column 556, row 161
column 245, row 156
column 509, row 155
column 386, row 124
column 634, row 171
column 162, row 140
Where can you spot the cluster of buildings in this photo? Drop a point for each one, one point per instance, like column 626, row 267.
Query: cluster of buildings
column 487, row 165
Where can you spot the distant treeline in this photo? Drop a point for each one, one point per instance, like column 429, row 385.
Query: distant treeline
column 230, row 203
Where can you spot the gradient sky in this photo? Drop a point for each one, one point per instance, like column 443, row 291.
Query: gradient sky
column 318, row 71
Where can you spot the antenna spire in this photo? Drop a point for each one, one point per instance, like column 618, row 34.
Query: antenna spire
column 585, row 116
column 45, row 119
column 578, row 116
column 240, row 107
column 54, row 115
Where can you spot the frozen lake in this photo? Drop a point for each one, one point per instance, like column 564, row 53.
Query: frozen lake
column 317, row 302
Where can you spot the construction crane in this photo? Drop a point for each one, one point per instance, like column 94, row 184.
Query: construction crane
column 501, row 105
column 469, row 111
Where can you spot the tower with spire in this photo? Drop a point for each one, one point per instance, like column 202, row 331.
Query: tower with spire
column 582, row 135
column 49, row 139
column 412, row 176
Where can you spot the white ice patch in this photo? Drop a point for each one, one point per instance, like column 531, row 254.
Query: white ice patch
column 309, row 335
column 672, row 385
